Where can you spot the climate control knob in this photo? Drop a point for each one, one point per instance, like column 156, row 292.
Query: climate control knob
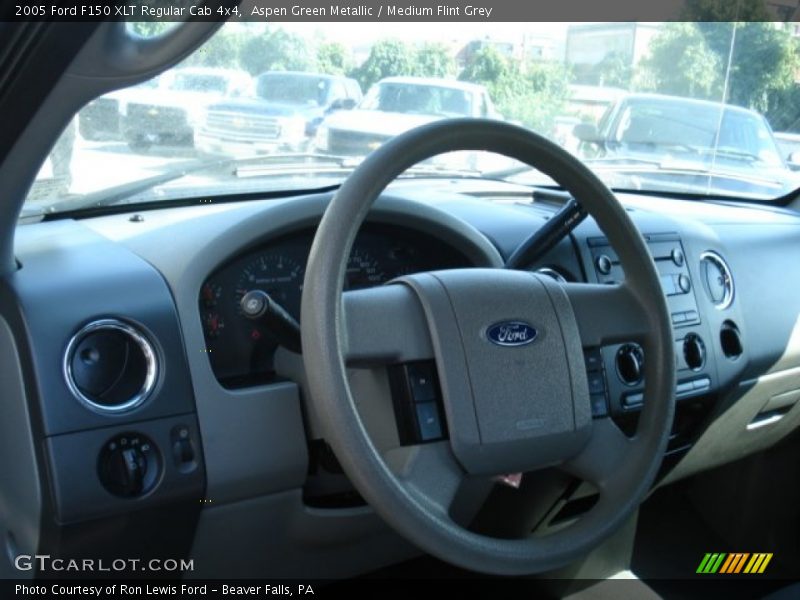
column 630, row 364
column 694, row 352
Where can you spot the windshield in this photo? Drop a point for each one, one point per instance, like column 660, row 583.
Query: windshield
column 706, row 108
column 410, row 97
column 295, row 88
column 185, row 82
column 701, row 128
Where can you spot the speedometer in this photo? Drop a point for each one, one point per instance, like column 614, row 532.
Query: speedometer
column 276, row 274
column 363, row 270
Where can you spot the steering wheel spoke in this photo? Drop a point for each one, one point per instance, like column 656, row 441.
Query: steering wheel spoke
column 430, row 471
column 608, row 314
column 601, row 459
column 384, row 325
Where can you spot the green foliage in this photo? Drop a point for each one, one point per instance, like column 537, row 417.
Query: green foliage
column 532, row 94
column 434, row 60
column 275, row 50
column 333, row 58
column 681, row 63
column 222, row 50
column 394, row 57
column 708, row 11
column 615, row 70
column 150, row 28
column 690, row 59
column 386, row 58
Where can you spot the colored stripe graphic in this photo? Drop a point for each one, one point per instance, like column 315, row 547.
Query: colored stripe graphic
column 733, row 563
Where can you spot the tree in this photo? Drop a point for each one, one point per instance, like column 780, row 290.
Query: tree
column 434, row 60
column 150, row 28
column 691, row 59
column 386, row 58
column 681, row 63
column 333, row 58
column 532, row 94
column 222, row 50
column 615, row 70
column 275, row 50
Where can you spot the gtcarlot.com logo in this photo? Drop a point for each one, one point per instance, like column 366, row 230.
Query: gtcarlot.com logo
column 734, row 563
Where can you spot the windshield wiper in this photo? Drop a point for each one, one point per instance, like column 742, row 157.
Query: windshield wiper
column 255, row 166
column 118, row 194
column 733, row 153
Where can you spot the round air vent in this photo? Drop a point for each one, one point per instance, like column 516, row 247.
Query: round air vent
column 717, row 279
column 110, row 366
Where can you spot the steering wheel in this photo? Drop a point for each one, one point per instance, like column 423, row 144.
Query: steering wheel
column 509, row 408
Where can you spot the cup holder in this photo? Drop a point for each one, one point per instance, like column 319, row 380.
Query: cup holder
column 731, row 340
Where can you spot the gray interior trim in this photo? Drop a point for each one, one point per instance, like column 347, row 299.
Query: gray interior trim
column 20, row 494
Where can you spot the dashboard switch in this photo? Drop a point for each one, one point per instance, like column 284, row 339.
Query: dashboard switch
column 129, row 465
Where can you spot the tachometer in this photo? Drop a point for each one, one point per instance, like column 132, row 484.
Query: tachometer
column 276, row 274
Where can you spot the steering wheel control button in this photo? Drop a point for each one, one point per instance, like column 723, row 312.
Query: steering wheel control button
column 599, row 405
column 597, row 383
column 630, row 364
column 603, row 264
column 422, row 378
column 129, row 465
column 593, row 359
column 428, row 421
column 417, row 402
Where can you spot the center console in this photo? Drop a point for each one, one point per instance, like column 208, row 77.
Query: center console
column 619, row 369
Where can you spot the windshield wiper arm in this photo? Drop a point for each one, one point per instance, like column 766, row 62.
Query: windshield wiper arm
column 117, row 194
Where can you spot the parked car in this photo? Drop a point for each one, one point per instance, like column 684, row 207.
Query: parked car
column 100, row 119
column 690, row 144
column 397, row 104
column 169, row 113
column 789, row 144
column 284, row 114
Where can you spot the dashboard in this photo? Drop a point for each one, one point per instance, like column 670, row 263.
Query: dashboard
column 241, row 350
column 232, row 450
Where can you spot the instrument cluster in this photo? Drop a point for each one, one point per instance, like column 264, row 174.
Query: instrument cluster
column 241, row 351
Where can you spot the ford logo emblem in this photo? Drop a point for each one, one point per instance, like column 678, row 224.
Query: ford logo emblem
column 511, row 333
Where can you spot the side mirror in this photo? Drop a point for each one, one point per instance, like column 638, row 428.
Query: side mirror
column 794, row 160
column 586, row 132
column 343, row 104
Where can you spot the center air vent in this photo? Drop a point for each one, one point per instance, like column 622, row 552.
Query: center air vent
column 717, row 279
column 110, row 366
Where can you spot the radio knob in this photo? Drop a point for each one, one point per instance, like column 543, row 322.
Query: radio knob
column 684, row 283
column 677, row 257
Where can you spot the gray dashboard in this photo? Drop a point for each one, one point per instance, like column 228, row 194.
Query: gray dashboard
column 236, row 459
